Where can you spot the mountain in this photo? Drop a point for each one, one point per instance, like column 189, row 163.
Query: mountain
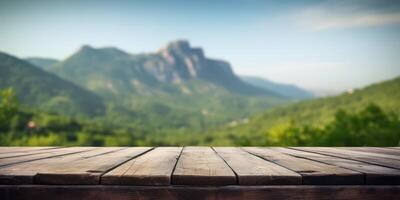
column 317, row 112
column 117, row 71
column 286, row 90
column 44, row 63
column 178, row 78
column 46, row 91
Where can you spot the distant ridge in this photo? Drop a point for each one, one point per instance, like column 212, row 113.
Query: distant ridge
column 286, row 90
column 46, row 91
column 44, row 63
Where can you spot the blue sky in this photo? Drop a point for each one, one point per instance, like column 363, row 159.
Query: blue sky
column 323, row 46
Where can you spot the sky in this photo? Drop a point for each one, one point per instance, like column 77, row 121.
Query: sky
column 323, row 46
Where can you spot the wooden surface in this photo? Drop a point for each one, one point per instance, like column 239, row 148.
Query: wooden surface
column 252, row 170
column 374, row 174
column 27, row 156
column 153, row 168
column 363, row 156
column 209, row 172
column 312, row 172
column 202, row 166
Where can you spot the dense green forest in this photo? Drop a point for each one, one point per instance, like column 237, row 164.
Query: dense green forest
column 375, row 122
column 368, row 116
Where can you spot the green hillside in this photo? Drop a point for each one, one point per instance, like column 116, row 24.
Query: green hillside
column 317, row 114
column 286, row 90
column 45, row 91
column 367, row 124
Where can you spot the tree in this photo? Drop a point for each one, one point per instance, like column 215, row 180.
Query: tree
column 8, row 108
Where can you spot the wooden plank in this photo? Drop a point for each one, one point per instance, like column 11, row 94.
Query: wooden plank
column 48, row 154
column 372, row 158
column 101, row 192
column 340, row 150
column 24, row 173
column 252, row 170
column 27, row 152
column 88, row 169
column 378, row 150
column 374, row 174
column 152, row 168
column 312, row 172
column 202, row 166
column 5, row 150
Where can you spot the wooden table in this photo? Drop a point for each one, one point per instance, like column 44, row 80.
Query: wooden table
column 199, row 173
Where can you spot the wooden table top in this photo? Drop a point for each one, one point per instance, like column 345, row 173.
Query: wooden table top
column 199, row 166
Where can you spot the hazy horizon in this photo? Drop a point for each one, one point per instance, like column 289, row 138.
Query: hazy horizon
column 316, row 45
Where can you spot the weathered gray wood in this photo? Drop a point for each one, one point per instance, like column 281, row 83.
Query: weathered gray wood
column 24, row 173
column 48, row 154
column 385, row 151
column 374, row 174
column 367, row 153
column 252, row 170
column 27, row 152
column 100, row 192
column 372, row 158
column 86, row 170
column 198, row 166
column 202, row 166
column 312, row 172
column 5, row 150
column 152, row 168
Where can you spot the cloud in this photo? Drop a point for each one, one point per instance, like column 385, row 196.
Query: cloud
column 325, row 17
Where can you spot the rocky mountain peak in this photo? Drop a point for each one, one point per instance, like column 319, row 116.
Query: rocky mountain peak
column 86, row 47
column 182, row 48
column 179, row 45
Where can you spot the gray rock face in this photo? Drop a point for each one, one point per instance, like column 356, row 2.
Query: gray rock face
column 181, row 61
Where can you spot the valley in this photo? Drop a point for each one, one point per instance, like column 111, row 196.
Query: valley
column 174, row 96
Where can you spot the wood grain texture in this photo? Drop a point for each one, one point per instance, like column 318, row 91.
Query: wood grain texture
column 252, row 170
column 152, row 168
column 199, row 166
column 312, row 172
column 198, row 193
column 87, row 170
column 24, row 173
column 44, row 155
column 27, row 152
column 379, row 150
column 202, row 166
column 374, row 174
column 5, row 150
column 372, row 158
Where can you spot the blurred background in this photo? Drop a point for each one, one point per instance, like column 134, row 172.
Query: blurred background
column 222, row 73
